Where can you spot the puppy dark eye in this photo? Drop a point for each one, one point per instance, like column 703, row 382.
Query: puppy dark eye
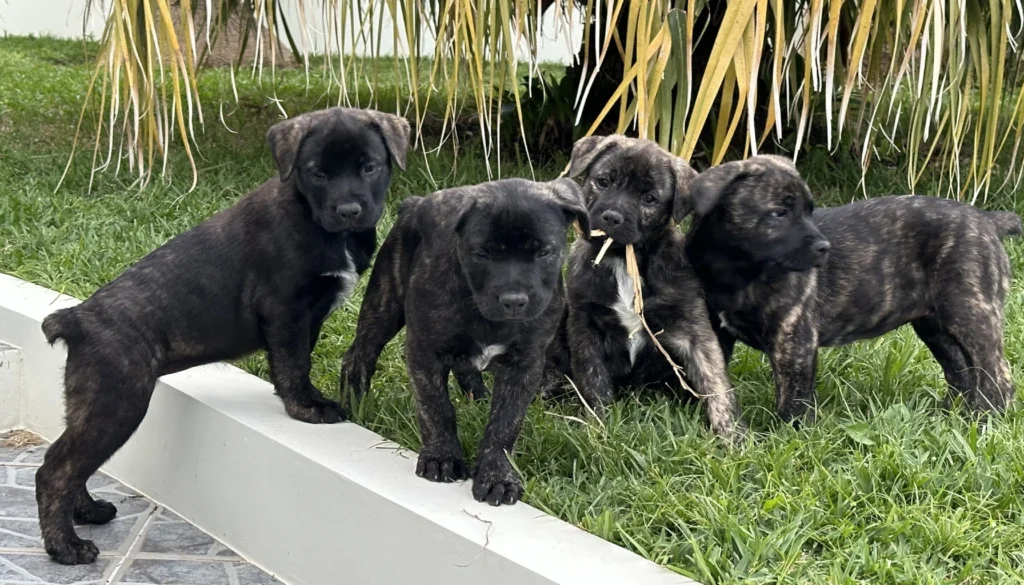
column 370, row 168
column 481, row 254
column 602, row 182
column 777, row 213
column 543, row 252
column 318, row 175
column 650, row 199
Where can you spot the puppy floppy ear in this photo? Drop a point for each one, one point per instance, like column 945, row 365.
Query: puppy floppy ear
column 464, row 214
column 682, row 202
column 569, row 197
column 587, row 150
column 285, row 137
column 707, row 189
column 396, row 131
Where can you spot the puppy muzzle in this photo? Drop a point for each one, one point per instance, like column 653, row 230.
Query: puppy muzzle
column 819, row 251
column 509, row 304
column 346, row 216
column 620, row 227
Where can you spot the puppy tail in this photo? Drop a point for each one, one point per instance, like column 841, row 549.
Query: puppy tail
column 1007, row 223
column 62, row 325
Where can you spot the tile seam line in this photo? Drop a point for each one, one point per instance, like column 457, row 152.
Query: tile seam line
column 132, row 548
column 151, row 556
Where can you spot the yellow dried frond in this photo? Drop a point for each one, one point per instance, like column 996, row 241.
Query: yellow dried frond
column 928, row 78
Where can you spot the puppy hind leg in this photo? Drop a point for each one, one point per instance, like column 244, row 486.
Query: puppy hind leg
column 558, row 364
column 980, row 334
column 319, row 315
column 726, row 341
column 471, row 382
column 381, row 317
column 92, row 511
column 949, row 354
column 97, row 427
column 56, row 486
column 372, row 334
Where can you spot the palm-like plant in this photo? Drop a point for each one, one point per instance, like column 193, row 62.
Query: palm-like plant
column 937, row 83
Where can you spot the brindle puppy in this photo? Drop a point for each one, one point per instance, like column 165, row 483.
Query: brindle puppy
column 636, row 192
column 787, row 279
column 474, row 275
column 264, row 274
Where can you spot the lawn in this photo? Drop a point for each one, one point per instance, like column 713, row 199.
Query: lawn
column 885, row 488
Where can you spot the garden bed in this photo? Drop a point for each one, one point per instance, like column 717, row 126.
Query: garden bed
column 884, row 488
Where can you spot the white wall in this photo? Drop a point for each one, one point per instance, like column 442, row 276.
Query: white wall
column 58, row 18
column 63, row 18
column 10, row 386
column 559, row 40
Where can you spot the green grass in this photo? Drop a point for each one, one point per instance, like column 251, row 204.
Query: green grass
column 885, row 488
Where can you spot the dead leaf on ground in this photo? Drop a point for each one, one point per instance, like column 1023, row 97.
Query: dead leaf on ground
column 20, row 438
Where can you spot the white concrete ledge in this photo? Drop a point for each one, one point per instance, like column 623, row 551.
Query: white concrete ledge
column 310, row 504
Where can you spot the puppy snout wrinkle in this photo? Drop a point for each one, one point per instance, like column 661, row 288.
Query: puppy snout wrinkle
column 348, row 211
column 611, row 218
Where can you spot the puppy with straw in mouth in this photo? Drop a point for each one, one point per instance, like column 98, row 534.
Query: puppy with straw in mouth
column 636, row 313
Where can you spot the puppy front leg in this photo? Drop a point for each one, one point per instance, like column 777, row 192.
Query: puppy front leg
column 441, row 455
column 694, row 346
column 794, row 366
column 515, row 385
column 589, row 368
column 288, row 351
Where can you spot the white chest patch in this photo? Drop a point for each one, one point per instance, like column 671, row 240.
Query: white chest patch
column 487, row 353
column 726, row 325
column 348, row 278
column 623, row 307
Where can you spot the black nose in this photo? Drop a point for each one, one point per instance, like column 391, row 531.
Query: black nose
column 348, row 211
column 513, row 303
column 821, row 247
column 611, row 218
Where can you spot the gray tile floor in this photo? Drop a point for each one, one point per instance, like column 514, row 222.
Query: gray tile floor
column 144, row 544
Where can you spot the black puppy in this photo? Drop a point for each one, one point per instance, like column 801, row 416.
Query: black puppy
column 787, row 279
column 474, row 274
column 636, row 192
column 263, row 274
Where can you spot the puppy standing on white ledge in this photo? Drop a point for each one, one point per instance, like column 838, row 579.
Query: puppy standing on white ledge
column 474, row 274
column 263, row 274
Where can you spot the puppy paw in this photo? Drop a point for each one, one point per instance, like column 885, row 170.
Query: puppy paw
column 555, row 388
column 732, row 434
column 441, row 468
column 75, row 551
column 95, row 512
column 496, row 483
column 474, row 392
column 800, row 414
column 325, row 413
column 355, row 377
